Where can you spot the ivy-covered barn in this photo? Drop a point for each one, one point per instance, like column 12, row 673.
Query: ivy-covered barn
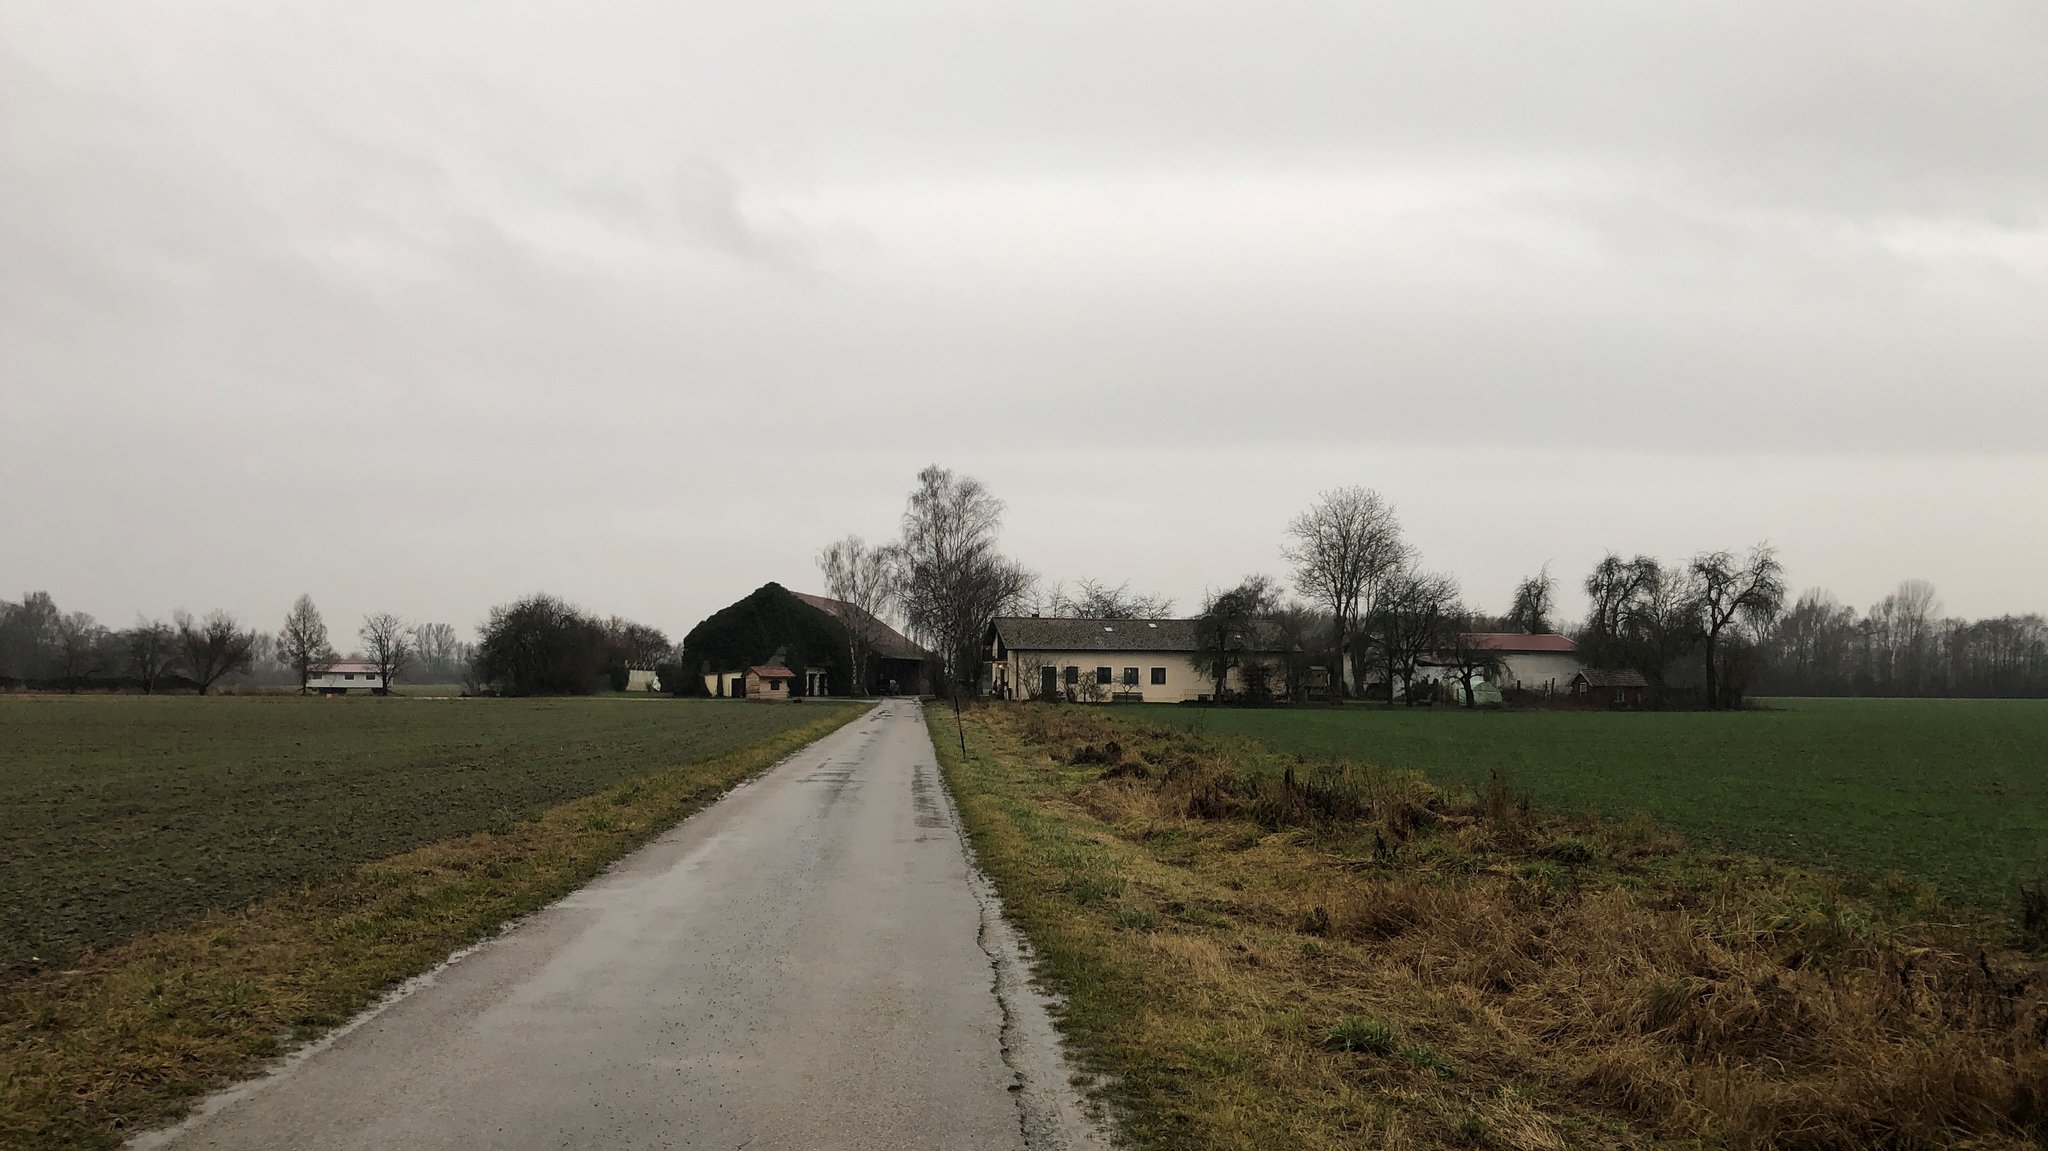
column 799, row 631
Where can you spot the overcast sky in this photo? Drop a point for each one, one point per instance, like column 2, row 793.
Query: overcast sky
column 424, row 306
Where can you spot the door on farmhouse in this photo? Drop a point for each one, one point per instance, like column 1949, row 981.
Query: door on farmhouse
column 1049, row 682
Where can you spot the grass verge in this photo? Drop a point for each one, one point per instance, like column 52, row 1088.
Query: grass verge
column 1259, row 952
column 131, row 1037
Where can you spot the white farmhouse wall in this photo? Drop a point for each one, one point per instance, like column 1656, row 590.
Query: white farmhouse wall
column 344, row 680
column 1540, row 671
column 1183, row 682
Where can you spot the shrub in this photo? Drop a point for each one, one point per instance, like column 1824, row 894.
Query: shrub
column 540, row 645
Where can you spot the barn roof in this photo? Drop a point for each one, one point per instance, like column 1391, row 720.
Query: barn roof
column 1033, row 633
column 889, row 643
column 771, row 671
column 1520, row 643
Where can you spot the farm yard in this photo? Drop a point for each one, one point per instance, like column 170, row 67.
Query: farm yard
column 1952, row 793
column 188, row 881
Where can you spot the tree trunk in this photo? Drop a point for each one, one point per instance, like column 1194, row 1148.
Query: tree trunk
column 1713, row 685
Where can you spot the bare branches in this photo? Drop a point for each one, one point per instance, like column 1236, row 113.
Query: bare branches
column 1344, row 550
column 388, row 644
column 1723, row 590
column 1535, row 602
column 152, row 650
column 213, row 648
column 78, row 643
column 952, row 578
column 1224, row 631
column 1419, row 615
column 861, row 579
column 302, row 643
column 1095, row 599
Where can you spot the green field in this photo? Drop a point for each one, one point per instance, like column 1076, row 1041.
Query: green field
column 1949, row 792
column 124, row 813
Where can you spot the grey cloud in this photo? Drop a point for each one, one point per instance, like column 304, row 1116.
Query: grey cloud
column 644, row 301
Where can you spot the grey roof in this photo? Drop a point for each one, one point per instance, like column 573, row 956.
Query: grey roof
column 1614, row 677
column 1031, row 633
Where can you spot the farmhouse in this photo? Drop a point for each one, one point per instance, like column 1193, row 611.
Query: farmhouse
column 1107, row 660
column 1622, row 689
column 344, row 676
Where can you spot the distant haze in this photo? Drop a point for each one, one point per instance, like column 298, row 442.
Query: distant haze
column 421, row 307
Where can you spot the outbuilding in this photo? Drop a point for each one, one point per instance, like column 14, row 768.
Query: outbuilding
column 1620, row 689
column 345, row 677
column 769, row 681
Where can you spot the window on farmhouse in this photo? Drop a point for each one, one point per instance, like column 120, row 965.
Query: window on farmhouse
column 1130, row 677
column 1073, row 676
column 1158, row 677
column 1101, row 675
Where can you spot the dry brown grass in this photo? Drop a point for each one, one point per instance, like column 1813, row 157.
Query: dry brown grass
column 129, row 1037
column 1553, row 982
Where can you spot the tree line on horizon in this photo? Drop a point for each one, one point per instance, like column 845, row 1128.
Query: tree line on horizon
column 535, row 645
column 1706, row 631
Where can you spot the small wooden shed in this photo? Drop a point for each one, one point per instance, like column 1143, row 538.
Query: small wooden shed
column 769, row 681
column 1621, row 689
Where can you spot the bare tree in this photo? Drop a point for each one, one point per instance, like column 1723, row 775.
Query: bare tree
column 1344, row 549
column 1535, row 602
column 77, row 647
column 1420, row 614
column 213, row 648
column 1096, row 599
column 1724, row 591
column 438, row 648
column 1902, row 634
column 152, row 651
column 952, row 579
column 1297, row 628
column 1470, row 660
column 388, row 645
column 1225, row 631
column 861, row 579
column 28, row 636
column 302, row 643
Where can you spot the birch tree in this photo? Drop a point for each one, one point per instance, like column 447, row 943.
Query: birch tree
column 953, row 579
column 861, row 580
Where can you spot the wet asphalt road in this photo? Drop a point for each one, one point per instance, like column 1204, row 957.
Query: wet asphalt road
column 801, row 965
